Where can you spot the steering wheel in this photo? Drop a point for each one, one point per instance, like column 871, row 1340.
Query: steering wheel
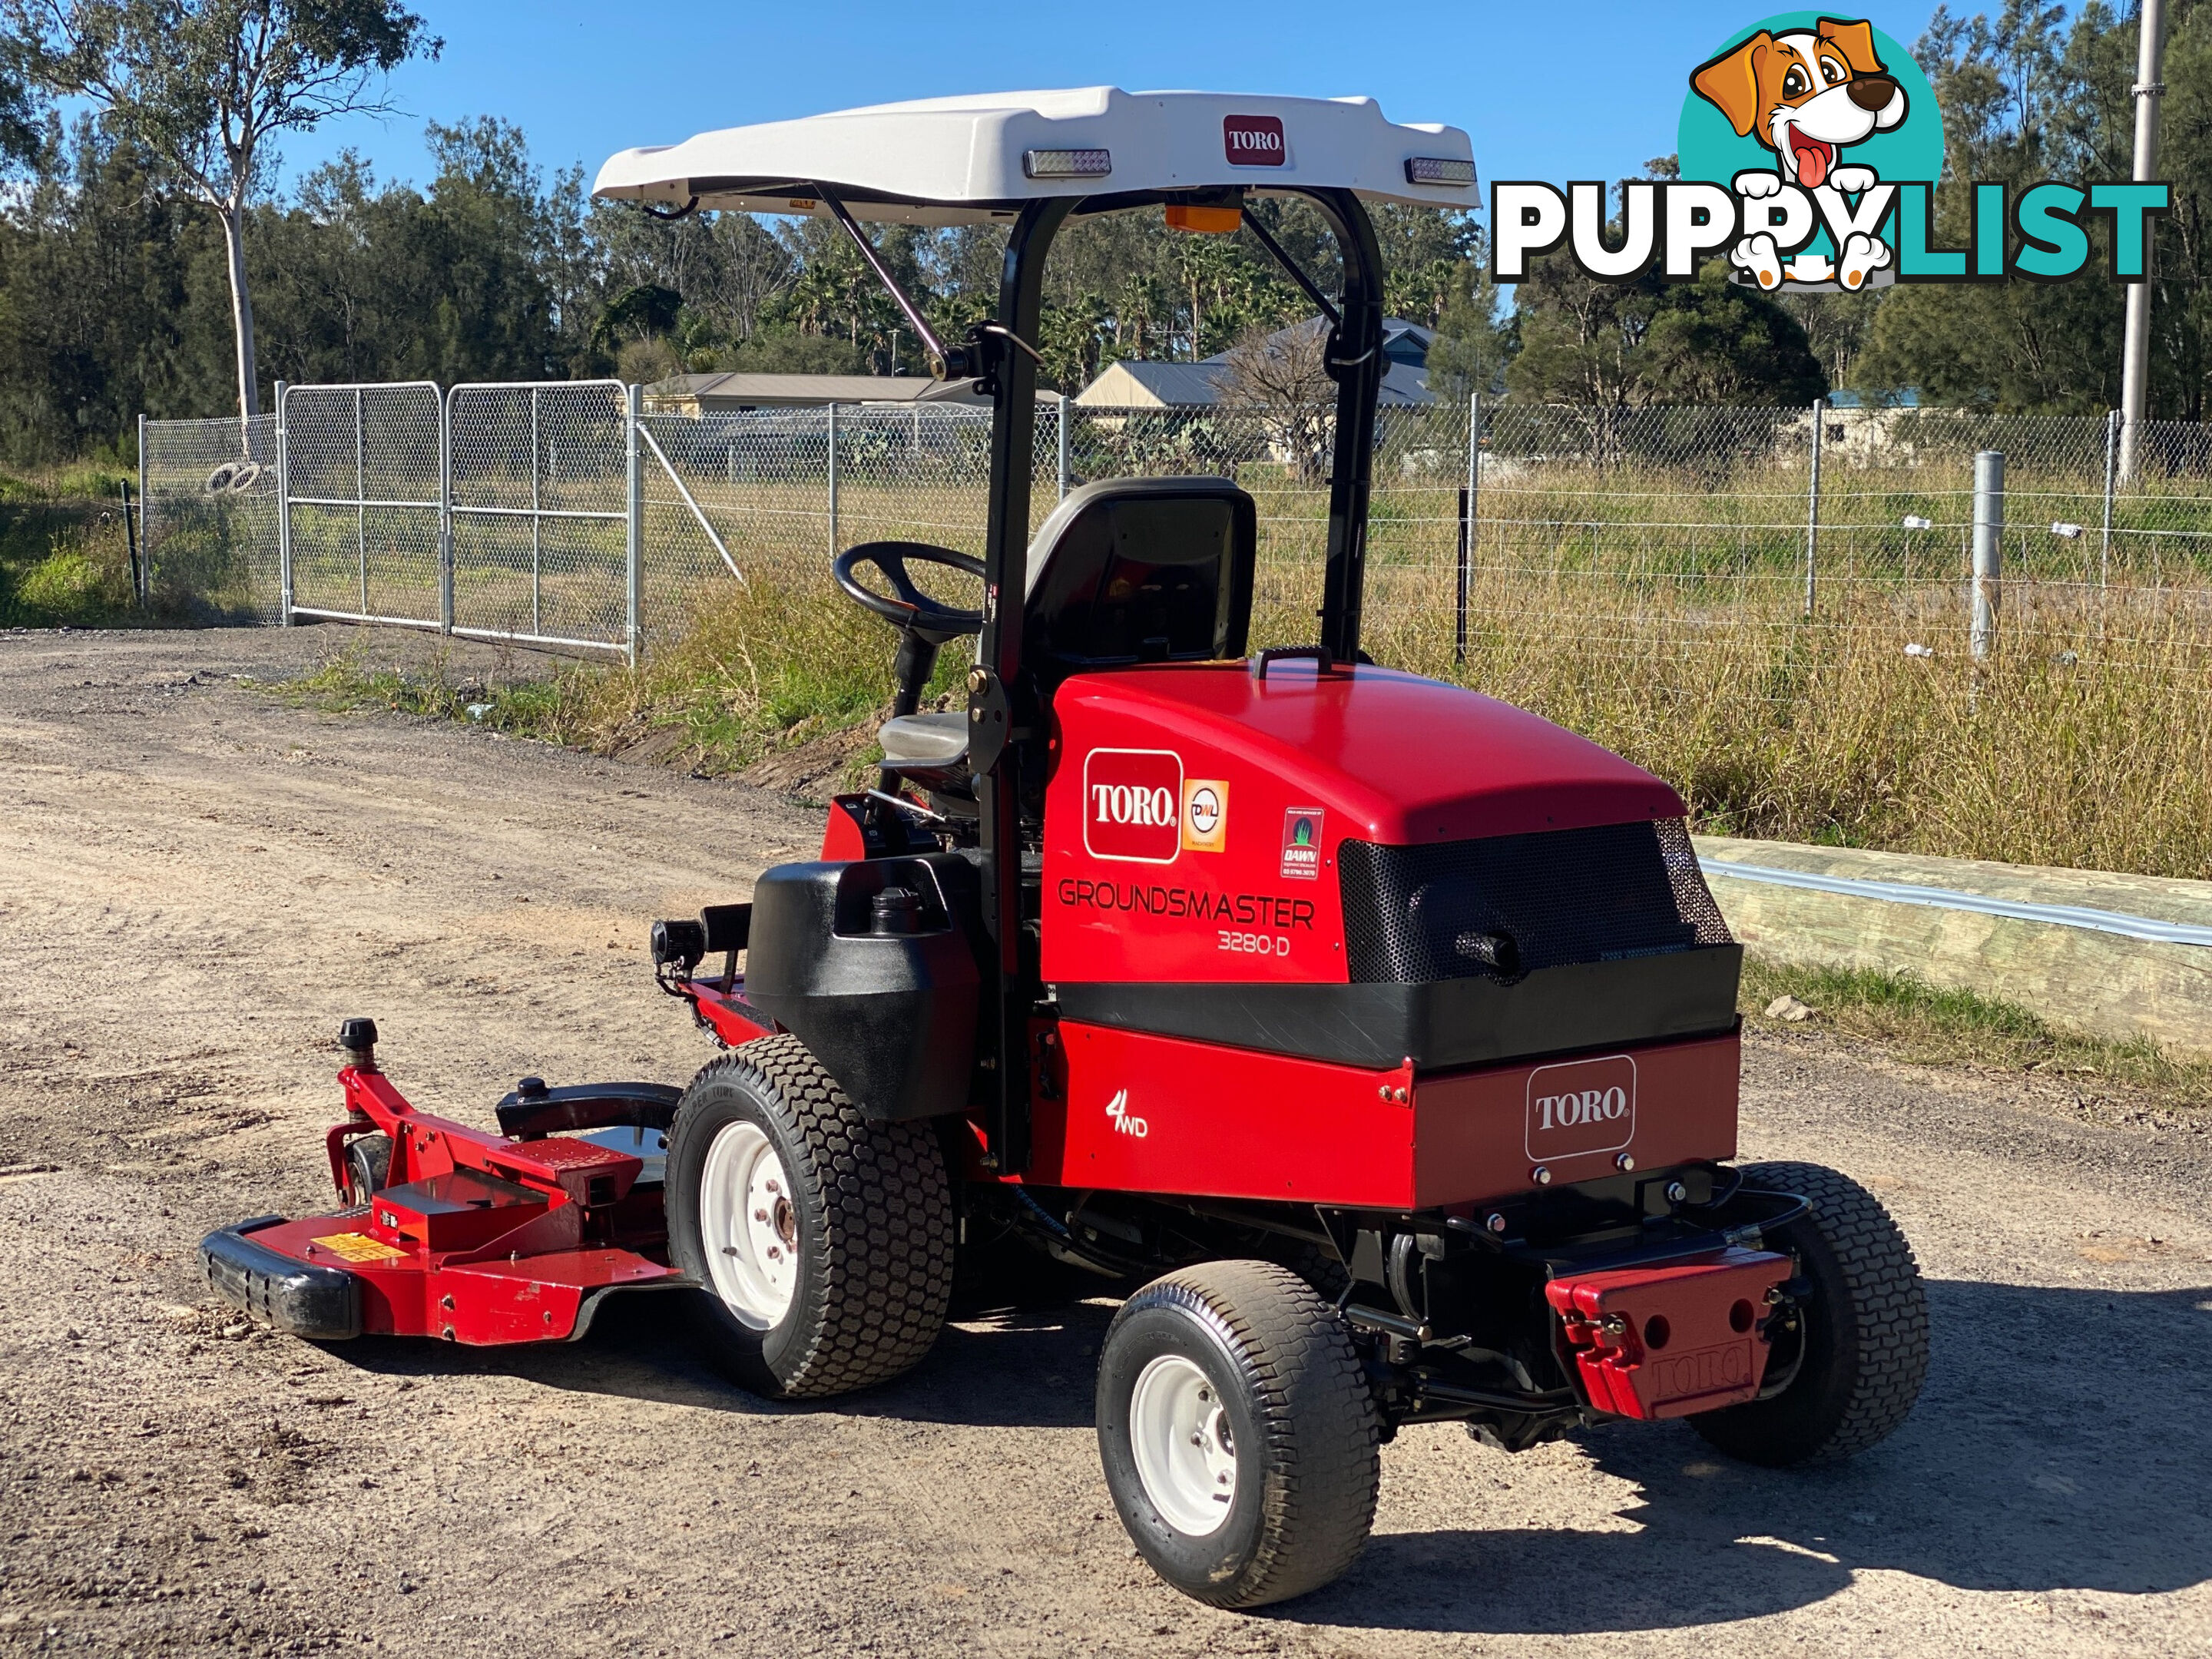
column 908, row 607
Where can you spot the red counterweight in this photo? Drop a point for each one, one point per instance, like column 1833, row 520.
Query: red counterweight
column 1671, row 1341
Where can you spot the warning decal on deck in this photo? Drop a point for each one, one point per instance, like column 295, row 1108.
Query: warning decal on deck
column 359, row 1247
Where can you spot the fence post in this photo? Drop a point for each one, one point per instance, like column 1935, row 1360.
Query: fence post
column 445, row 515
column 1813, row 512
column 284, row 507
column 1063, row 446
column 536, row 526
column 130, row 539
column 145, row 571
column 635, row 516
column 1468, row 499
column 2112, row 474
column 832, row 427
column 1989, row 542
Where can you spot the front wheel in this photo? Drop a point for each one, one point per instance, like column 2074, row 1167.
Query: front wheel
column 1238, row 1432
column 1856, row 1350
column 823, row 1240
column 368, row 1167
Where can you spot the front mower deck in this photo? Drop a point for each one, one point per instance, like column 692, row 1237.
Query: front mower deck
column 476, row 1238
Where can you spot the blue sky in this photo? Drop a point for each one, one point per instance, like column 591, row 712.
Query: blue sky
column 1548, row 90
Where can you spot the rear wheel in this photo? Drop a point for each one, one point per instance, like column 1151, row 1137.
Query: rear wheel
column 823, row 1240
column 1858, row 1344
column 1238, row 1433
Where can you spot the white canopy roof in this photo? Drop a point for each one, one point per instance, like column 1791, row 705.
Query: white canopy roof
column 971, row 159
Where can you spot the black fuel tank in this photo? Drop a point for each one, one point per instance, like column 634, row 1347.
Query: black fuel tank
column 872, row 965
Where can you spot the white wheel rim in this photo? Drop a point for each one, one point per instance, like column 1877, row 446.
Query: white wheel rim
column 1185, row 1450
column 749, row 1226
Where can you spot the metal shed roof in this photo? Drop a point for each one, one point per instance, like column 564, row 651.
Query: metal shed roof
column 975, row 159
column 737, row 386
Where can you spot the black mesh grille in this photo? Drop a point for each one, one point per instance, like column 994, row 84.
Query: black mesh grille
column 1504, row 906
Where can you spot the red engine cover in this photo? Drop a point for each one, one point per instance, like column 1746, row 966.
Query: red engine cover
column 1129, row 1111
column 1194, row 812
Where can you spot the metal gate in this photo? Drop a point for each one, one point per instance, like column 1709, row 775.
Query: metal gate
column 499, row 511
column 541, row 491
column 362, row 516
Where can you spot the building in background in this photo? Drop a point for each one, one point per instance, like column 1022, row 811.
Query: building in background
column 1198, row 385
column 726, row 393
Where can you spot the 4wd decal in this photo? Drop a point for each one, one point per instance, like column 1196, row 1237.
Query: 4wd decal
column 1125, row 1121
column 1301, row 827
column 1133, row 805
column 1584, row 1106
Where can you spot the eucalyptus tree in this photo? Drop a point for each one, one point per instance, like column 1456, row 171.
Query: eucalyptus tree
column 207, row 88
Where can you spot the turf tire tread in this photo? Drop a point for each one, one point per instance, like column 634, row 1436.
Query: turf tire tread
column 885, row 1257
column 1888, row 1338
column 1318, row 1412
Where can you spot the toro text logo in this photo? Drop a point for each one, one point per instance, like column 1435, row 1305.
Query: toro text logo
column 1132, row 802
column 1254, row 141
column 1809, row 149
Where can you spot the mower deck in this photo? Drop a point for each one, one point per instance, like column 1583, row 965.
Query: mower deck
column 476, row 1238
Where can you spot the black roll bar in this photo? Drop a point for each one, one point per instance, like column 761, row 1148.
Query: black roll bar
column 1003, row 718
column 1002, row 715
column 1355, row 363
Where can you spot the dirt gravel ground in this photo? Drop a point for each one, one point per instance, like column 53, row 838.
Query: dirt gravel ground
column 197, row 883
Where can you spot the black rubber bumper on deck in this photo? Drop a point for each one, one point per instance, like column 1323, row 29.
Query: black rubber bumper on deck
column 320, row 1303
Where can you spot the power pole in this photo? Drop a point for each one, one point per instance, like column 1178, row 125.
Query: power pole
column 2134, row 360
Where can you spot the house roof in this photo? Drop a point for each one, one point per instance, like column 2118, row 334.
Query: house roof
column 737, row 387
column 975, row 159
column 1137, row 385
column 1197, row 385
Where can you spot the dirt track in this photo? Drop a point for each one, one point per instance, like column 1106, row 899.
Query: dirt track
column 196, row 884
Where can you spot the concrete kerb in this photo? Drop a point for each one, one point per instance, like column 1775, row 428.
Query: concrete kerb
column 2085, row 977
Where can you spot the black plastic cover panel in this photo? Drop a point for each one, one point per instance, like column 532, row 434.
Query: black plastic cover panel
column 1444, row 1023
column 1415, row 915
column 892, row 1017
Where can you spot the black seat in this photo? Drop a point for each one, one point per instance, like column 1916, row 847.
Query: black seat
column 1126, row 571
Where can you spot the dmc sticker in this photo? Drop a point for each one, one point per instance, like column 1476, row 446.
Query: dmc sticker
column 1301, row 827
column 1205, row 814
column 1133, row 805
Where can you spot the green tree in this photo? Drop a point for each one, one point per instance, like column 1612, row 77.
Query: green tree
column 95, row 272
column 207, row 87
column 1623, row 345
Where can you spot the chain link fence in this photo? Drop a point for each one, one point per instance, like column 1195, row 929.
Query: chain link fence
column 1632, row 540
column 207, row 524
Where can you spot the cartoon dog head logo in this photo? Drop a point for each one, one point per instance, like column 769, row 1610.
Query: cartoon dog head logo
column 1811, row 121
column 1807, row 94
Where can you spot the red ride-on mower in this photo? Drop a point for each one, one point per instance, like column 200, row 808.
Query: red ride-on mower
column 1388, row 1031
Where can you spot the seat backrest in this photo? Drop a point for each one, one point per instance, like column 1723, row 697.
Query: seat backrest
column 1138, row 570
